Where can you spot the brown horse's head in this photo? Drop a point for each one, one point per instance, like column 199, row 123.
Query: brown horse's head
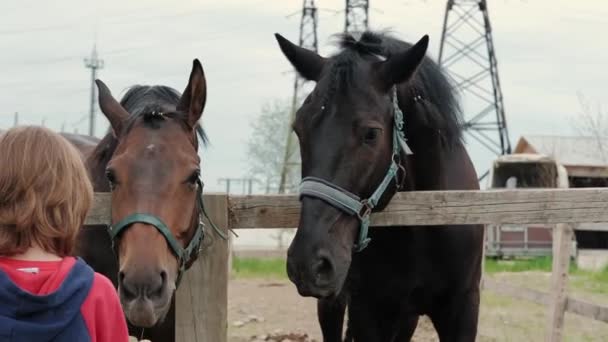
column 345, row 129
column 153, row 173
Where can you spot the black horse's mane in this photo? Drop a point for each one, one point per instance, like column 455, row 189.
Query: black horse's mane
column 141, row 102
column 442, row 111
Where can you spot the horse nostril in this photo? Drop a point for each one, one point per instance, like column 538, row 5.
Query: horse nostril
column 126, row 291
column 121, row 277
column 323, row 269
column 156, row 289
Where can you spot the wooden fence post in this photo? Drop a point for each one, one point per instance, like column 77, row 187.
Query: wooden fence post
column 202, row 298
column 483, row 257
column 562, row 241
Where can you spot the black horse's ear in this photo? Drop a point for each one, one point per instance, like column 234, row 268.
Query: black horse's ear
column 402, row 66
column 113, row 110
column 194, row 97
column 307, row 63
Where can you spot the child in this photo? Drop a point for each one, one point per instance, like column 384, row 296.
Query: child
column 46, row 294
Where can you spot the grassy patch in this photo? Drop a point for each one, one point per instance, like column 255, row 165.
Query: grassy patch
column 518, row 265
column 595, row 282
column 259, row 268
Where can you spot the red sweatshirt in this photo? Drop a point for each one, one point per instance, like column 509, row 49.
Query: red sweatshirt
column 41, row 292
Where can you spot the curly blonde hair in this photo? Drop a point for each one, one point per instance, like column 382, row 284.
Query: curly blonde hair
column 45, row 192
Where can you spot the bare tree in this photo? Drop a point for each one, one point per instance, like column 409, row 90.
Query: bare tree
column 266, row 151
column 266, row 147
column 592, row 121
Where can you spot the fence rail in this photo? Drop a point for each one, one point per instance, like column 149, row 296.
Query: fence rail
column 564, row 207
column 423, row 208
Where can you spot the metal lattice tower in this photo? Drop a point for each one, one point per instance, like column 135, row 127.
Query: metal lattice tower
column 467, row 53
column 356, row 16
column 308, row 40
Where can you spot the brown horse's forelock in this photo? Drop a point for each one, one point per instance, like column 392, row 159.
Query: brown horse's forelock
column 140, row 101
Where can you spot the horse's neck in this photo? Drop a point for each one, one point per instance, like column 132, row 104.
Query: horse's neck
column 426, row 167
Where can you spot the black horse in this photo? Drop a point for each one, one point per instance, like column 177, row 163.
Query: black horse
column 346, row 133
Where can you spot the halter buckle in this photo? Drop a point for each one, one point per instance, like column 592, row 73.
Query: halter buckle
column 366, row 210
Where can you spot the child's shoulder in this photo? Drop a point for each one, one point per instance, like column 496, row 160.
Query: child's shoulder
column 102, row 286
column 101, row 298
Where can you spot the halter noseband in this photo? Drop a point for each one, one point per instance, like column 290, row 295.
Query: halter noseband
column 184, row 255
column 350, row 203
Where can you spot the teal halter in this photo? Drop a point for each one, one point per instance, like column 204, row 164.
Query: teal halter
column 184, row 255
column 350, row 203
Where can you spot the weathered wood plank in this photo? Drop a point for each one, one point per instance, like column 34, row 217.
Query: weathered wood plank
column 101, row 213
column 579, row 307
column 598, row 227
column 562, row 237
column 202, row 299
column 424, row 208
column 443, row 207
column 574, row 306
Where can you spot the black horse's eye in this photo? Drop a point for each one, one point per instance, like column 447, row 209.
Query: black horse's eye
column 111, row 176
column 371, row 135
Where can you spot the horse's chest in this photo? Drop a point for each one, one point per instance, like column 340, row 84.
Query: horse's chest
column 396, row 269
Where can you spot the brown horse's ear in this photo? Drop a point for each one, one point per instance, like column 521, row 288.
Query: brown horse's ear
column 307, row 63
column 115, row 113
column 402, row 66
column 193, row 99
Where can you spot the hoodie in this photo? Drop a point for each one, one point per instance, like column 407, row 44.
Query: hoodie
column 58, row 301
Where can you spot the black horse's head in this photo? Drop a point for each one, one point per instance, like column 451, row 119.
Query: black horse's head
column 345, row 129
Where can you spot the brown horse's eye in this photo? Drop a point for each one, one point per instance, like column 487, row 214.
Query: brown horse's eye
column 371, row 135
column 193, row 179
column 111, row 176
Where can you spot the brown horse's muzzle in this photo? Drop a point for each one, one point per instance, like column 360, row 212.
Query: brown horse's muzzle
column 145, row 297
column 146, row 280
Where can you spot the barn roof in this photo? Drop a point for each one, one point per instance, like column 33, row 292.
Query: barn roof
column 567, row 150
column 524, row 158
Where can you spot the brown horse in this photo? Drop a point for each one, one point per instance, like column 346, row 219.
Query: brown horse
column 149, row 161
column 368, row 98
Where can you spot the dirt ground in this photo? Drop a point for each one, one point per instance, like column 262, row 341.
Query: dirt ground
column 259, row 309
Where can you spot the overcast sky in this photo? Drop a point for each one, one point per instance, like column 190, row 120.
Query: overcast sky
column 547, row 50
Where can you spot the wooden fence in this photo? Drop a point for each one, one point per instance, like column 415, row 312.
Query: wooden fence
column 202, row 298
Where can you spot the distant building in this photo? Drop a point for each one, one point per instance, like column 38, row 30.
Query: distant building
column 586, row 162
column 523, row 171
column 585, row 158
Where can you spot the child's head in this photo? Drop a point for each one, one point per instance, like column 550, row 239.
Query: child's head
column 45, row 192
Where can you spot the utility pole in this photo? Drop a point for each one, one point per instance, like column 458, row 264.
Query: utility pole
column 308, row 40
column 93, row 63
column 467, row 53
column 16, row 121
column 356, row 19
